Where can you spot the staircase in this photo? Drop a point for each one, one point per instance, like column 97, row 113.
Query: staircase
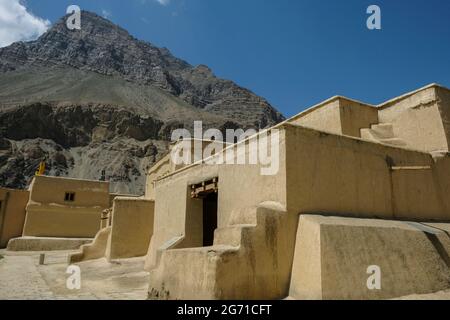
column 382, row 133
column 247, row 261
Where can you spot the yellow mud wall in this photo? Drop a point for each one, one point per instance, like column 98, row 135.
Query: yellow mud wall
column 160, row 169
column 420, row 194
column 338, row 115
column 176, row 214
column 49, row 215
column 165, row 166
column 329, row 174
column 112, row 196
column 335, row 257
column 356, row 116
column 417, row 119
column 240, row 186
column 12, row 214
column 244, row 186
column 94, row 250
column 132, row 228
column 444, row 108
column 326, row 117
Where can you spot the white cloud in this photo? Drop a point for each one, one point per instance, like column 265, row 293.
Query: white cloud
column 17, row 24
column 163, row 2
column 106, row 14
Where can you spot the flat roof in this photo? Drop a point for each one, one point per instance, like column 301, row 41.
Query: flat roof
column 379, row 106
column 72, row 179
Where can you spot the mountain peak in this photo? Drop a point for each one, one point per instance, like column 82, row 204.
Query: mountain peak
column 83, row 97
column 105, row 48
column 88, row 18
column 92, row 26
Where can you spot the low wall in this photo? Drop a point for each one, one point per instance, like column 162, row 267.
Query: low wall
column 338, row 115
column 60, row 222
column 50, row 214
column 12, row 214
column 250, row 259
column 94, row 250
column 132, row 228
column 46, row 244
column 333, row 256
column 112, row 196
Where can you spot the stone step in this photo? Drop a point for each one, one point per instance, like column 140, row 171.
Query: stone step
column 394, row 142
column 189, row 273
column 382, row 133
column 383, row 130
column 366, row 134
column 235, row 267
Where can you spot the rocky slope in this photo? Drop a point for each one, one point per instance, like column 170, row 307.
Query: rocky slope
column 98, row 99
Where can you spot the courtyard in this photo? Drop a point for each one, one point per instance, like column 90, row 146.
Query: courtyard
column 22, row 278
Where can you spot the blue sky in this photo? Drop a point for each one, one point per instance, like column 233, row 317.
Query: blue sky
column 294, row 53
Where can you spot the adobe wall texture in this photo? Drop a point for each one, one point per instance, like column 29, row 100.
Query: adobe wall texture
column 160, row 169
column 49, row 215
column 165, row 165
column 330, row 174
column 320, row 173
column 94, row 250
column 356, row 116
column 12, row 214
column 419, row 118
column 132, row 228
column 240, row 186
column 325, row 117
column 255, row 244
column 444, row 108
column 338, row 115
column 333, row 255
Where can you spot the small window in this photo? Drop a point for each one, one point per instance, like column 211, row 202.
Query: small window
column 69, row 197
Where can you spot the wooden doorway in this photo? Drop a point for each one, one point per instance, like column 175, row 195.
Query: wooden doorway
column 209, row 219
column 207, row 192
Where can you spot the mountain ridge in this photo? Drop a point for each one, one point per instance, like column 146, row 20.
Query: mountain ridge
column 91, row 49
column 100, row 87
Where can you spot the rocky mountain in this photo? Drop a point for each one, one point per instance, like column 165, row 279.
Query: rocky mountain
column 98, row 99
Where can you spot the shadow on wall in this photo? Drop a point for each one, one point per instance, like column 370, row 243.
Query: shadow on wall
column 127, row 235
column 12, row 214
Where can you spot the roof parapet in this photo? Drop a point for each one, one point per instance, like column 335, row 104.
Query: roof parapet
column 388, row 103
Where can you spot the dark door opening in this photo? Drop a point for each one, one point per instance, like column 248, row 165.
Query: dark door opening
column 209, row 218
